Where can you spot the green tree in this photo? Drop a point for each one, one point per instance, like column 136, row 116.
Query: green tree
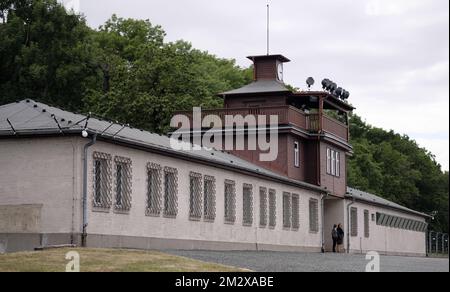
column 44, row 54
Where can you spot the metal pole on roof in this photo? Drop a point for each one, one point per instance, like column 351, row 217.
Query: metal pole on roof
column 12, row 127
column 268, row 29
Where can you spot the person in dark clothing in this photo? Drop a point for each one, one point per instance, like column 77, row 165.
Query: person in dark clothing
column 340, row 239
column 334, row 235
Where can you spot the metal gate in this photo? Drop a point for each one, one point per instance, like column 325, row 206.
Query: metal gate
column 437, row 243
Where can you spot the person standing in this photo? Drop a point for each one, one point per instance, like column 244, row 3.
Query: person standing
column 334, row 235
column 340, row 238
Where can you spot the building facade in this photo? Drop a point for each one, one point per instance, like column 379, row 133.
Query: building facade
column 71, row 179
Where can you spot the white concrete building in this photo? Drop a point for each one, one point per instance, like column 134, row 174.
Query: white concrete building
column 123, row 187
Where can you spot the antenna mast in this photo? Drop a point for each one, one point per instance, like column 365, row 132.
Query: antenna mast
column 268, row 31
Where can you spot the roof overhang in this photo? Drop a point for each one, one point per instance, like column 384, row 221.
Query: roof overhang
column 280, row 58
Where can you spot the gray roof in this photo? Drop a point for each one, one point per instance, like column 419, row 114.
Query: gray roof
column 33, row 118
column 370, row 198
column 260, row 86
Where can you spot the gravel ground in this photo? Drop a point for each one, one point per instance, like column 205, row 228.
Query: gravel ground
column 313, row 262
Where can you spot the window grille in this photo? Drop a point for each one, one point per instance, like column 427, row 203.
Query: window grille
column 102, row 181
column 295, row 212
column 272, row 209
column 247, row 196
column 354, row 221
column 195, row 196
column 287, row 210
column 314, row 215
column 263, row 207
column 230, row 201
column 170, row 192
column 366, row 224
column 123, row 186
column 209, row 198
column 153, row 189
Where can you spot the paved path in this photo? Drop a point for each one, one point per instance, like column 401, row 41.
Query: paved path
column 314, row 262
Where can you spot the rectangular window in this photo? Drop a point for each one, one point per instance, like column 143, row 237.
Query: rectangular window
column 333, row 162
column 263, row 207
column 314, row 215
column 354, row 222
column 272, row 209
column 297, row 154
column 295, row 212
column 230, row 201
column 102, row 180
column 195, row 196
column 287, row 210
column 366, row 224
column 209, row 192
column 153, row 189
column 170, row 192
column 338, row 164
column 123, row 184
column 328, row 161
column 247, row 204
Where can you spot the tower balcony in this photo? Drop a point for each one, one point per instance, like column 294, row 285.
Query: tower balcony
column 287, row 116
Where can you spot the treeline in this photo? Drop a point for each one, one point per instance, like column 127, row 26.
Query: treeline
column 126, row 71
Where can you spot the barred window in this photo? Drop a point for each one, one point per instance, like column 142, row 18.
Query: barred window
column 102, row 180
column 354, row 221
column 170, row 192
column 295, row 212
column 195, row 196
column 230, row 201
column 314, row 215
column 263, row 207
column 366, row 224
column 123, row 175
column 209, row 198
column 247, row 198
column 287, row 210
column 153, row 190
column 272, row 209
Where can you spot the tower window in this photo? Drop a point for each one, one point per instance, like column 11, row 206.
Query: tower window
column 297, row 154
column 333, row 162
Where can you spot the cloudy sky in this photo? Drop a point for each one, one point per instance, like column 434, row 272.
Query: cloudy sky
column 392, row 55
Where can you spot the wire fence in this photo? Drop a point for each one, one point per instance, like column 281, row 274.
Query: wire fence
column 437, row 243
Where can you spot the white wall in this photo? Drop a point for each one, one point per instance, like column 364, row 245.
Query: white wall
column 37, row 177
column 136, row 223
column 384, row 239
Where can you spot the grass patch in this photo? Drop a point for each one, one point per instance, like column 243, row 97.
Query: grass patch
column 106, row 260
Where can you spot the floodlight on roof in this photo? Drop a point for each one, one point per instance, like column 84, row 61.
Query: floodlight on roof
column 310, row 82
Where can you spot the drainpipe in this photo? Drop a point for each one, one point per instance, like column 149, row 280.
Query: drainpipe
column 322, row 202
column 348, row 224
column 85, row 170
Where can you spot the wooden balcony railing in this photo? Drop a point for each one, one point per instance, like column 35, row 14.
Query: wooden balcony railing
column 287, row 115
